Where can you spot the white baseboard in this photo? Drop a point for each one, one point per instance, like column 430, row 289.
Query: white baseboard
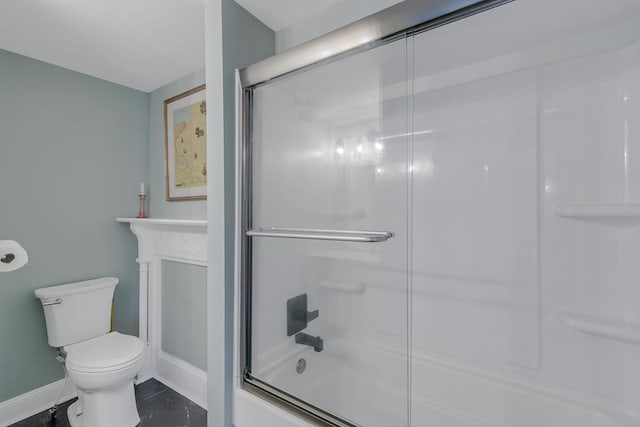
column 146, row 371
column 183, row 377
column 30, row 403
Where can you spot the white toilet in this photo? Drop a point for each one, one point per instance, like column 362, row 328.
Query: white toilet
column 101, row 364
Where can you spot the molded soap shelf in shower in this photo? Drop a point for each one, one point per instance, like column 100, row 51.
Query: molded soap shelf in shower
column 346, row 287
column 353, row 256
column 621, row 215
column 618, row 329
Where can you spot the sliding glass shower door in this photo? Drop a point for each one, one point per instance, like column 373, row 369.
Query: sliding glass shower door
column 442, row 230
column 329, row 281
column 526, row 159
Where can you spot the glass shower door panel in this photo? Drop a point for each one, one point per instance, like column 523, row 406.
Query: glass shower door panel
column 475, row 227
column 329, row 152
column 525, row 162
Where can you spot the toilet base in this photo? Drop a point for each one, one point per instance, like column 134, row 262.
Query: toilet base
column 105, row 408
column 72, row 414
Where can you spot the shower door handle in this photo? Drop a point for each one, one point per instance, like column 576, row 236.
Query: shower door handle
column 322, row 234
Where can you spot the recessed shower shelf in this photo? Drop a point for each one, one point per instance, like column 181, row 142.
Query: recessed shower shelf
column 346, row 287
column 618, row 329
column 356, row 213
column 621, row 215
column 353, row 256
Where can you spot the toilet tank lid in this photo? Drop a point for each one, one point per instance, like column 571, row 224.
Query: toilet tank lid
column 76, row 287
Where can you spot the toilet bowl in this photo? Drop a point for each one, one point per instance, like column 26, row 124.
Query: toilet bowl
column 103, row 369
column 101, row 364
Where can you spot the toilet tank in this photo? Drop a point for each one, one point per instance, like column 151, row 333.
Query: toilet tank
column 77, row 311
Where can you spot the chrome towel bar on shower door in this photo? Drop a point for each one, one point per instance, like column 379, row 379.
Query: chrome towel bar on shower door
column 322, row 234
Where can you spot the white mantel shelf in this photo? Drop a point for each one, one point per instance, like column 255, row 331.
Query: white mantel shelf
column 162, row 221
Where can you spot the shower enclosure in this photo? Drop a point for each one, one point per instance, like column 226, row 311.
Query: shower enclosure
column 439, row 220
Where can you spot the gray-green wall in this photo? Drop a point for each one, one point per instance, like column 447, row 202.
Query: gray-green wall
column 73, row 150
column 158, row 205
column 238, row 39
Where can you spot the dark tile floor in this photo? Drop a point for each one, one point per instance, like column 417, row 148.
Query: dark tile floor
column 158, row 406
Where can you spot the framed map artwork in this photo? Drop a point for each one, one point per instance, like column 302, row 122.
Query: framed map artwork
column 185, row 117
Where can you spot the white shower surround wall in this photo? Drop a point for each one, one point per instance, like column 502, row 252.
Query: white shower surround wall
column 537, row 325
column 177, row 240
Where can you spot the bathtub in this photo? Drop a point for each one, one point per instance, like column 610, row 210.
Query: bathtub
column 449, row 394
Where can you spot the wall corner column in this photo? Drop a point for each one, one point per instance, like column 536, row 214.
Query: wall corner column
column 219, row 355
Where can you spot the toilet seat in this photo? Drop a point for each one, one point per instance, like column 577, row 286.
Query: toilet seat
column 106, row 353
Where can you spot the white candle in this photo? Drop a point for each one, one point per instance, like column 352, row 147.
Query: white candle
column 142, row 193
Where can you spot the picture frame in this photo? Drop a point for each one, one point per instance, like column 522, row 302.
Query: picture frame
column 186, row 145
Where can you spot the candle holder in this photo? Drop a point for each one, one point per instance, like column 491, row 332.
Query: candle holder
column 142, row 213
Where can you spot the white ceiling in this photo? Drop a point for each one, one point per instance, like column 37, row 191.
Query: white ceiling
column 279, row 14
column 142, row 44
